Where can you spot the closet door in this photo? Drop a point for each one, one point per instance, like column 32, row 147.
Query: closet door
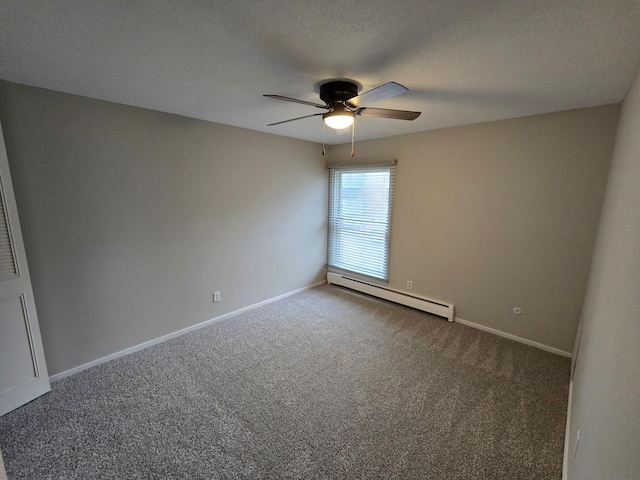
column 23, row 373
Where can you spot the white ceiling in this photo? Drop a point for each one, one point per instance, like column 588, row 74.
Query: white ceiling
column 464, row 61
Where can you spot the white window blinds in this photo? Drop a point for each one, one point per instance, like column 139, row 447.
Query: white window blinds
column 360, row 203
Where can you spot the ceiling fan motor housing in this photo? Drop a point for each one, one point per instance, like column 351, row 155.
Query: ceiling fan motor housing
column 337, row 92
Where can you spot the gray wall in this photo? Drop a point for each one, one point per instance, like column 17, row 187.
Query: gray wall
column 132, row 218
column 501, row 214
column 606, row 394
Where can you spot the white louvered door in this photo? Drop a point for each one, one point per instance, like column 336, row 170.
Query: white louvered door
column 23, row 373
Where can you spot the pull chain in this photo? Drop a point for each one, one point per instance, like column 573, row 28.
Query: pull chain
column 323, row 142
column 353, row 135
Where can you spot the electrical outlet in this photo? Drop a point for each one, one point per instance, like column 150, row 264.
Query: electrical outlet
column 216, row 296
column 409, row 285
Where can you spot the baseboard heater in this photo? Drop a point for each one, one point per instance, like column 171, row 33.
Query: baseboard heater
column 435, row 307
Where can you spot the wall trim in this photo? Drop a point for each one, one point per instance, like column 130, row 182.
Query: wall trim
column 141, row 346
column 565, row 459
column 500, row 333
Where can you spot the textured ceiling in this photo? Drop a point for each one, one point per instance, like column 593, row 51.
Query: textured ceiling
column 464, row 61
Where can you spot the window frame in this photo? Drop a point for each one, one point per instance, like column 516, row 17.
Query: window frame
column 336, row 172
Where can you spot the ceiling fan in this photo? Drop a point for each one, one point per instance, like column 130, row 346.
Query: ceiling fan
column 343, row 103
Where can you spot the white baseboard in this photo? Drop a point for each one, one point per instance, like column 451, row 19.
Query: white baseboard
column 500, row 333
column 135, row 348
column 565, row 459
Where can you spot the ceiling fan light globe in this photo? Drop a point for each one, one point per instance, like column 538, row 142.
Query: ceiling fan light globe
column 339, row 121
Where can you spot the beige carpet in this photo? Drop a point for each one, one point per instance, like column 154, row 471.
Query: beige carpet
column 324, row 384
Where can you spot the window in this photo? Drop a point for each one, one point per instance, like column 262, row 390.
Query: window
column 360, row 200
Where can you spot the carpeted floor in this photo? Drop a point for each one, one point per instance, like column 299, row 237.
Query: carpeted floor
column 327, row 383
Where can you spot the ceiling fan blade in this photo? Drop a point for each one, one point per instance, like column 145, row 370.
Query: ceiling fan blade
column 294, row 119
column 387, row 113
column 295, row 100
column 382, row 92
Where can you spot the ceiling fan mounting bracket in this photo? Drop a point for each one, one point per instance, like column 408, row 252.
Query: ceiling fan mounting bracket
column 337, row 92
